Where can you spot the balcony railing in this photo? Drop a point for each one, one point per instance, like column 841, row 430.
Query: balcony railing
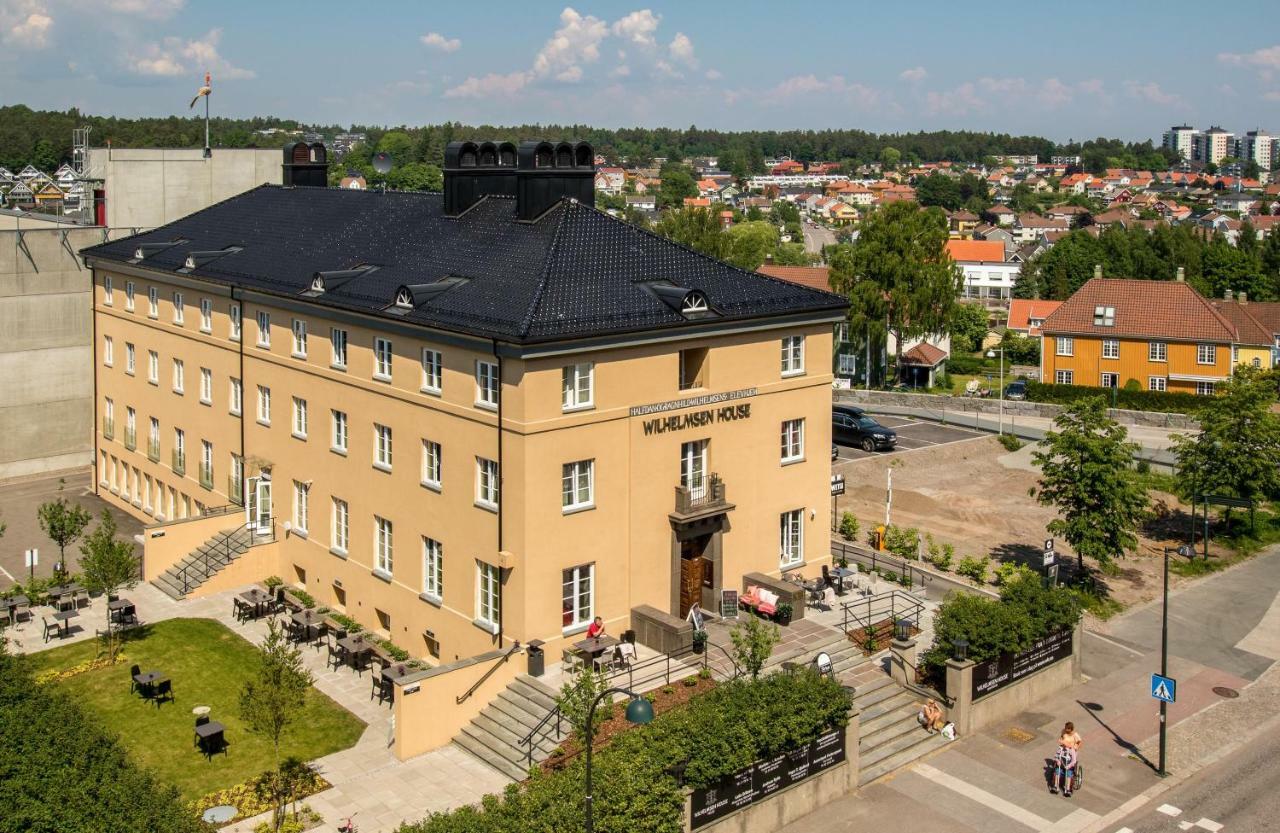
column 235, row 490
column 694, row 500
column 179, row 462
column 153, row 450
column 206, row 476
column 130, row 439
column 108, row 428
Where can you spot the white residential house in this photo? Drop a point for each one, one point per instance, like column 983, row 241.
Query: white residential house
column 610, row 180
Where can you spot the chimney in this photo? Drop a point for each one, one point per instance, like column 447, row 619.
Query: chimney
column 473, row 170
column 306, row 164
column 550, row 172
column 1182, row 275
column 768, row 259
column 1242, row 297
column 1097, row 270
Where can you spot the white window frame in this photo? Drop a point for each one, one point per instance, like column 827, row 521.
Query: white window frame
column 578, row 386
column 206, row 386
column 234, row 313
column 382, row 446
column 108, row 291
column 488, row 595
column 338, row 431
column 1064, row 377
column 206, row 315
column 337, row 348
column 153, row 434
column 694, row 463
column 1157, row 383
column 792, row 355
column 432, row 569
column 487, row 479
column 301, row 501
column 129, row 290
column 1115, row 377
column 1111, row 348
column 1157, row 351
column 299, row 418
column 108, row 351
column 1205, row 388
column 179, row 309
column 1206, row 350
column 487, row 385
column 431, row 464
column 792, row 440
column 179, row 376
column 180, row 445
column 577, row 486
column 153, row 367
column 264, row 329
column 383, row 357
column 153, row 302
column 264, row 405
column 339, row 525
column 235, row 396
column 572, row 593
column 299, row 327
column 130, row 358
column 1064, row 346
column 791, row 538
column 432, row 371
column 206, row 457
column 383, row 545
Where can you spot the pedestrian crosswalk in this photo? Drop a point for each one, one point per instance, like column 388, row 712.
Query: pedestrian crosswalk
column 1205, row 824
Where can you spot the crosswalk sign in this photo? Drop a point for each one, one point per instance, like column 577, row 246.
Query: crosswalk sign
column 1164, row 688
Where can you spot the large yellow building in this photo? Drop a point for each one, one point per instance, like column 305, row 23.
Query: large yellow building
column 463, row 420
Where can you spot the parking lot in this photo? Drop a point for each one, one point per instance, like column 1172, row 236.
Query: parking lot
column 912, row 434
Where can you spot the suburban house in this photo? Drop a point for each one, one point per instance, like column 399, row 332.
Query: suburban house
column 610, row 180
column 1027, row 315
column 1004, row 215
column 987, row 275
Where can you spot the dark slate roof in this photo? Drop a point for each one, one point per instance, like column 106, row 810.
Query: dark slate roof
column 575, row 272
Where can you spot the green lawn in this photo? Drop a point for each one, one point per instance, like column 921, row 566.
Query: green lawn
column 208, row 665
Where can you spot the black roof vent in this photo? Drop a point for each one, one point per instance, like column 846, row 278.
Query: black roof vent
column 145, row 250
column 322, row 282
column 473, row 170
column 411, row 296
column 306, row 164
column 551, row 171
column 195, row 260
column 691, row 303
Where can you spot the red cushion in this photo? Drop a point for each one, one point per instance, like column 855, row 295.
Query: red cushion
column 766, row 609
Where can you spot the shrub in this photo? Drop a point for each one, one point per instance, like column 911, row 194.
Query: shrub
column 990, row 626
column 1127, row 398
column 1049, row 608
column 272, row 582
column 1143, row 467
column 849, row 526
column 393, row 650
column 576, row 697
column 903, row 542
column 350, row 625
column 1011, row 570
column 1010, row 442
column 943, row 557
column 973, row 568
column 304, row 598
column 753, row 641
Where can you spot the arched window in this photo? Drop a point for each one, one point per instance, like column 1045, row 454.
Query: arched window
column 507, row 155
column 488, row 155
column 317, row 284
column 694, row 302
column 404, row 298
column 543, row 157
column 467, row 159
column 585, row 157
column 301, row 153
column 564, row 157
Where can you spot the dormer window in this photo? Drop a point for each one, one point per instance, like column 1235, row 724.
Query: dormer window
column 317, row 284
column 404, row 298
column 1104, row 316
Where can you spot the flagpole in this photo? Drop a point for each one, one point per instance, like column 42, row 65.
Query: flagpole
column 207, row 152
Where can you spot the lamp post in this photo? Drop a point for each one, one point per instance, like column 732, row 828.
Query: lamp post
column 1186, row 551
column 639, row 710
column 991, row 354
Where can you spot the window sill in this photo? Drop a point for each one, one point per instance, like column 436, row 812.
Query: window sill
column 298, row 436
column 574, row 630
column 380, row 377
column 573, row 510
column 236, row 414
column 488, row 507
column 434, row 601
column 796, row 565
column 432, row 486
column 486, row 406
column 339, row 367
column 154, row 382
column 791, row 374
column 341, row 452
column 208, row 402
column 573, row 409
column 302, row 356
column 179, row 391
column 299, row 532
column 265, row 423
column 207, row 330
column 791, row 461
column 338, row 551
column 487, row 627
column 129, row 373
column 382, row 467
column 430, row 391
column 382, row 574
column 262, row 346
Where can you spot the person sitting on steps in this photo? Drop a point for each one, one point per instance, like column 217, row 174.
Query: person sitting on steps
column 930, row 716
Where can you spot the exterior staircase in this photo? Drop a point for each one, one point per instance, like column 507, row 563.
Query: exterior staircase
column 890, row 736
column 494, row 735
column 204, row 562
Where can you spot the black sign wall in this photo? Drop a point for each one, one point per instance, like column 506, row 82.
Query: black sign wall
column 764, row 778
column 994, row 674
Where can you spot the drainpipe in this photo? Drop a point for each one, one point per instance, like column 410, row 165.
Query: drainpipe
column 93, row 351
column 238, row 299
column 501, row 495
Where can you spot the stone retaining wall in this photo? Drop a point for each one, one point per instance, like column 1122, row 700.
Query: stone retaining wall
column 965, row 404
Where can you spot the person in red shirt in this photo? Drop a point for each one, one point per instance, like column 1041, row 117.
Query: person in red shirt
column 596, row 628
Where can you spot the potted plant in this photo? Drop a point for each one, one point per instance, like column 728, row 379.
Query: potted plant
column 783, row 615
column 699, row 641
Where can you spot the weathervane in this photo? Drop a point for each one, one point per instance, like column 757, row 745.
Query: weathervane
column 204, row 92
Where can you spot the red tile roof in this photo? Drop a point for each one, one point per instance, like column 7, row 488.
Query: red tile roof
column 1249, row 330
column 1022, row 310
column 924, row 354
column 1169, row 310
column 976, row 250
column 814, row 277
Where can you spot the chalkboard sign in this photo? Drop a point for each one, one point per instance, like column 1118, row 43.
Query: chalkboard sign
column 728, row 604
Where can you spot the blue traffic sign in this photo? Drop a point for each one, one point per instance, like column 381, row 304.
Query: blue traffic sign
column 1164, row 688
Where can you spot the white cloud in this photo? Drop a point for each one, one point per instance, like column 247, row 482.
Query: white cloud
column 1273, row 95
column 492, row 84
column 914, row 74
column 681, row 49
column 621, row 71
column 836, row 87
column 637, row 27
column 576, row 42
column 1151, row 91
column 435, row 40
column 714, row 75
column 960, row 101
column 25, row 23
column 1267, row 58
column 176, row 56
column 157, row 9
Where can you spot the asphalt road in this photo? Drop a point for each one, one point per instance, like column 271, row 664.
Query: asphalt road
column 912, row 434
column 815, row 237
column 1239, row 794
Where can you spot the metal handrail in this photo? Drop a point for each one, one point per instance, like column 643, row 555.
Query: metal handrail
column 220, row 552
column 875, row 559
column 515, row 646
column 911, row 609
column 713, row 494
column 529, row 739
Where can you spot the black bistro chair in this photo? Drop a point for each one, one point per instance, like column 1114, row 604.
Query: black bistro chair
column 134, row 671
column 200, row 721
column 382, row 689
column 827, row 581
column 337, row 655
column 161, row 691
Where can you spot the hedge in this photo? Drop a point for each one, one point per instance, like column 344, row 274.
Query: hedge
column 1132, row 400
column 60, row 771
column 635, row 791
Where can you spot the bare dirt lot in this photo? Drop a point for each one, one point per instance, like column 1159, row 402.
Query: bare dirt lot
column 974, row 496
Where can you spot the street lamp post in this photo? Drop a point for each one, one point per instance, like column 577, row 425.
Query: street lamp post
column 991, row 354
column 1186, row 551
column 639, row 710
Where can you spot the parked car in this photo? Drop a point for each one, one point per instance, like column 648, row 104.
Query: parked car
column 852, row 426
column 1017, row 390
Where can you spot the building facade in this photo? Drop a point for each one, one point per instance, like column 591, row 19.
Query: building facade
column 470, row 419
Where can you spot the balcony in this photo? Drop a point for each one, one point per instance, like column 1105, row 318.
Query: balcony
column 695, row 503
column 179, row 462
column 130, row 439
column 108, row 428
column 206, row 476
column 153, row 450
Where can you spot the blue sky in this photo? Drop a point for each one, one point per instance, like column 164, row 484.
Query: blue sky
column 1079, row 70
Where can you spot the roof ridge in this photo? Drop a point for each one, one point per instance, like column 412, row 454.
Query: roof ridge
column 566, row 204
column 1217, row 313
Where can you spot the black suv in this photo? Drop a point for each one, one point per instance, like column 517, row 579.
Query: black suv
column 852, row 426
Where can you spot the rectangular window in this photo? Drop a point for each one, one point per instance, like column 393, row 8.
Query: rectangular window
column 1110, row 380
column 299, row 338
column 1204, row 388
column 130, row 421
column 1157, row 383
column 382, row 446
column 432, row 568
column 792, row 440
column 128, row 295
column 338, row 440
column 1063, row 377
column 487, row 595
column 179, row 376
column 693, row 368
column 237, row 479
column 264, row 405
column 153, row 438
column 1066, row 346
column 130, row 358
column 153, row 367
column 264, row 329
column 1104, row 316
column 108, row 351
column 109, row 415
column 179, row 309
column 693, row 467
column 235, row 322
column 1206, row 353
column 382, row 544
column 338, row 348
column 486, row 483
column 577, row 382
column 108, row 292
column 301, row 496
column 1157, row 351
column 206, row 315
column 153, row 302
column 432, row 370
column 792, row 355
column 487, row 384
column 1235, row 354
column 577, row 490
column 846, row 364
column 431, row 464
column 338, row 526
column 179, row 451
column 206, row 386
column 1110, row 348
column 382, row 359
column 206, row 464
column 577, row 596
column 236, row 397
column 299, row 418
column 791, row 533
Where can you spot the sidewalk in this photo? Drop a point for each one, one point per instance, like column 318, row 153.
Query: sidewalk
column 995, row 782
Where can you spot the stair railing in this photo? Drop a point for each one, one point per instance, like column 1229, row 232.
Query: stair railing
column 535, row 734
column 220, row 551
column 515, row 646
column 892, row 604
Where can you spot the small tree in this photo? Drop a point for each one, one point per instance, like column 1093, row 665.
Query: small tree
column 849, row 526
column 281, row 786
column 63, row 521
column 753, row 641
column 576, row 697
column 1085, row 474
column 108, row 565
column 271, row 702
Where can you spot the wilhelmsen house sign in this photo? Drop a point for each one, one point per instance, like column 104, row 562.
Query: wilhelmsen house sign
column 695, row 419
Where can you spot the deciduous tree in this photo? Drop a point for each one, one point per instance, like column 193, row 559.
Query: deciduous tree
column 63, row 521
column 108, row 565
column 271, row 701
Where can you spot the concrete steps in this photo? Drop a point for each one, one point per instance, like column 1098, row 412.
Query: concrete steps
column 889, row 735
column 494, row 735
column 203, row 562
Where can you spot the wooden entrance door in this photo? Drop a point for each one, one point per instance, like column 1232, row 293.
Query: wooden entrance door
column 693, row 572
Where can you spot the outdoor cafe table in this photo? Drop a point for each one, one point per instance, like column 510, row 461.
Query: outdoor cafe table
column 64, row 617
column 9, row 607
column 119, row 607
column 594, row 646
column 356, row 647
column 147, row 680
column 308, row 620
column 256, row 597
column 61, row 591
column 842, row 573
column 207, row 731
column 395, row 672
